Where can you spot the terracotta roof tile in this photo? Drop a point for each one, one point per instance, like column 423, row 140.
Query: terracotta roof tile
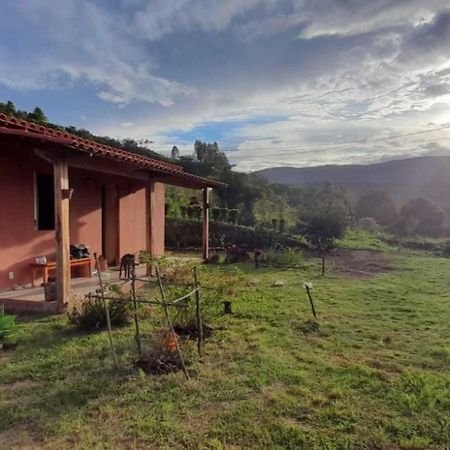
column 13, row 125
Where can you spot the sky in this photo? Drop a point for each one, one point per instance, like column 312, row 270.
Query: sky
column 274, row 82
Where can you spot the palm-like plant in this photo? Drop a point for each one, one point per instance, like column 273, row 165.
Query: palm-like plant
column 8, row 329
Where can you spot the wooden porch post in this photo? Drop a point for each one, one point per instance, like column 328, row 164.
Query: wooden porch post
column 150, row 222
column 62, row 230
column 205, row 237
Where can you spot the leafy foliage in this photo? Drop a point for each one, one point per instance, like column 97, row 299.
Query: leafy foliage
column 283, row 257
column 422, row 216
column 38, row 116
column 187, row 234
column 8, row 329
column 324, row 228
column 378, row 205
column 90, row 315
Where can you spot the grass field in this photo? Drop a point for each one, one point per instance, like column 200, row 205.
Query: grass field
column 374, row 374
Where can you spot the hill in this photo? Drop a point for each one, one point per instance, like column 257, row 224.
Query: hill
column 404, row 179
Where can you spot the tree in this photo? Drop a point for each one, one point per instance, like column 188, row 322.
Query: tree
column 175, row 153
column 10, row 108
column 38, row 115
column 422, row 216
column 214, row 160
column 323, row 228
column 330, row 196
column 380, row 206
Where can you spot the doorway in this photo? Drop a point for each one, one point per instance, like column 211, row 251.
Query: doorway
column 110, row 224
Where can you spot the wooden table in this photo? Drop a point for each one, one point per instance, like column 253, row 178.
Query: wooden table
column 51, row 266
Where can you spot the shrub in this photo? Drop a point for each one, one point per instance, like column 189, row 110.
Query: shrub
column 284, row 257
column 322, row 230
column 8, row 329
column 186, row 234
column 233, row 215
column 368, row 224
column 90, row 315
column 215, row 214
column 378, row 205
column 422, row 216
column 446, row 249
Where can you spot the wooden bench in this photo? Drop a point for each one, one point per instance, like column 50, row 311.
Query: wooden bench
column 51, row 266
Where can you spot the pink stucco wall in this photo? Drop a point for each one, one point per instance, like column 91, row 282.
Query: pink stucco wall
column 20, row 242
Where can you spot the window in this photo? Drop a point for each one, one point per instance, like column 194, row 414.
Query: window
column 45, row 202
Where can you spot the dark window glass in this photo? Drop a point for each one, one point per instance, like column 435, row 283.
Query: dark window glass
column 45, row 202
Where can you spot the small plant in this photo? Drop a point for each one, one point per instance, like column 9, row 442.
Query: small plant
column 90, row 315
column 8, row 329
column 322, row 230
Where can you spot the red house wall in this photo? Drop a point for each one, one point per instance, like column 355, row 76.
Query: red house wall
column 20, row 242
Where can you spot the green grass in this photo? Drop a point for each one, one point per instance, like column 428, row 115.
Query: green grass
column 357, row 239
column 373, row 374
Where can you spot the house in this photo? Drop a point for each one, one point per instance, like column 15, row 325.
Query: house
column 57, row 189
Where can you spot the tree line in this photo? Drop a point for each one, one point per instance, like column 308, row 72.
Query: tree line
column 260, row 203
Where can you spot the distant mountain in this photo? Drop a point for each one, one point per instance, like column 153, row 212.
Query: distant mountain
column 425, row 176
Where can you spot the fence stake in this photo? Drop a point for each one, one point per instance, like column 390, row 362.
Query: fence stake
column 308, row 291
column 135, row 305
column 198, row 313
column 169, row 322
column 105, row 302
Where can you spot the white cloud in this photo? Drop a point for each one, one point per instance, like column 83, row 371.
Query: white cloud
column 88, row 44
column 293, row 76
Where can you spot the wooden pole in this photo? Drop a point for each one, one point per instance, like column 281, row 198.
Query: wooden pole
column 205, row 237
column 105, row 302
column 150, row 223
column 135, row 305
column 311, row 301
column 198, row 313
column 169, row 322
column 62, row 230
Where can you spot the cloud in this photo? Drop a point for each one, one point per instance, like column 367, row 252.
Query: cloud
column 352, row 17
column 87, row 44
column 161, row 17
column 278, row 81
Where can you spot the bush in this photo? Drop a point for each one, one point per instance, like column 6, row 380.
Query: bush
column 446, row 249
column 285, row 257
column 7, row 330
column 91, row 314
column 424, row 243
column 368, row 224
column 186, row 234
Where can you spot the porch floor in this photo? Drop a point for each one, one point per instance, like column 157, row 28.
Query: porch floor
column 80, row 286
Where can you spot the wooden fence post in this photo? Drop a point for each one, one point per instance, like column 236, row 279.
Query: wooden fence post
column 198, row 313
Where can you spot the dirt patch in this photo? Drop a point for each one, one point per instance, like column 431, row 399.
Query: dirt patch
column 359, row 263
column 17, row 386
column 20, row 437
column 191, row 331
column 159, row 365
